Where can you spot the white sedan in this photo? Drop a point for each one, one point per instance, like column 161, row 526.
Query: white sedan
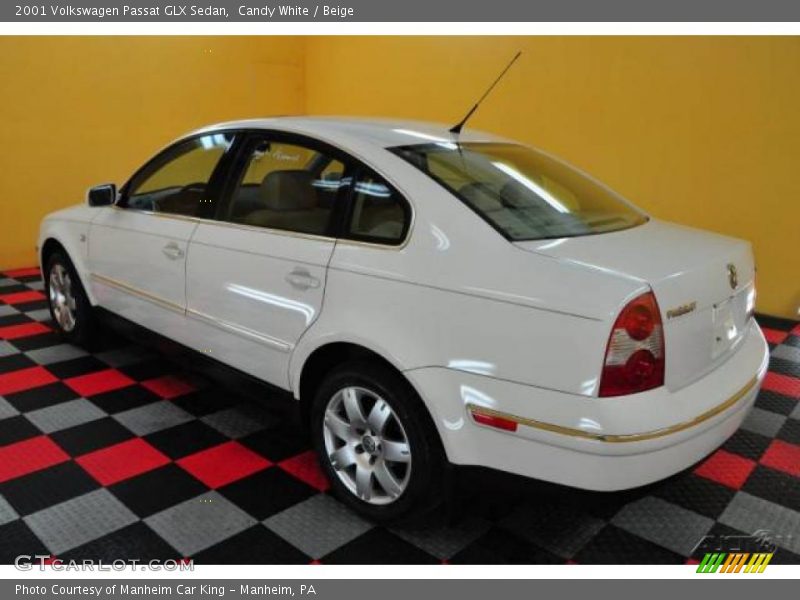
column 429, row 298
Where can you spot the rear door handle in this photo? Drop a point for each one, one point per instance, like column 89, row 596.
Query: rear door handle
column 302, row 279
column 172, row 251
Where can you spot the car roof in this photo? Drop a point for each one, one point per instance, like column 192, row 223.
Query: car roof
column 384, row 133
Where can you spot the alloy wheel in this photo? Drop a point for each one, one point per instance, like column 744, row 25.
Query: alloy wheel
column 367, row 445
column 62, row 298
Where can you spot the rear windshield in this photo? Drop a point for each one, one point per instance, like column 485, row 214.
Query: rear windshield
column 523, row 193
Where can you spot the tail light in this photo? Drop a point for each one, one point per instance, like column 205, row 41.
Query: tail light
column 634, row 360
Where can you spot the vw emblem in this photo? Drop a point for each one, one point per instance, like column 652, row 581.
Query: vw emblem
column 733, row 276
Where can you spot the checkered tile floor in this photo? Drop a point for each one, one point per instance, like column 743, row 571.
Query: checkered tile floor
column 120, row 455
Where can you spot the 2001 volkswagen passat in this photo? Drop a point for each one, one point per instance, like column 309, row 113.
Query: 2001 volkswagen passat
column 427, row 298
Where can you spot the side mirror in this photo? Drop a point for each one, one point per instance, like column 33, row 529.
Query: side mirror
column 102, row 195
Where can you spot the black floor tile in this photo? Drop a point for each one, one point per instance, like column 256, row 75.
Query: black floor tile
column 701, row 495
column 775, row 402
column 379, row 546
column 747, row 443
column 254, row 546
column 88, row 437
column 276, row 445
column 16, row 429
column 76, row 367
column 775, row 486
column 41, row 489
column 15, row 362
column 16, row 539
column 267, row 492
column 157, row 490
column 136, row 542
column 41, row 397
column 116, row 401
column 498, row 546
column 182, row 440
column 613, row 545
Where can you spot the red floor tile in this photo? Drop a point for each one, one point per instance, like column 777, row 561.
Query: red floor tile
column 97, row 383
column 122, row 461
column 168, row 386
column 12, row 332
column 25, row 272
column 782, row 456
column 306, row 468
column 21, row 297
column 28, row 456
column 223, row 464
column 783, row 384
column 25, row 379
column 774, row 336
column 726, row 468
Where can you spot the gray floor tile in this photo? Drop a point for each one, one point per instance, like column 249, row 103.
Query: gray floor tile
column 444, row 542
column 153, row 417
column 318, row 526
column 79, row 520
column 664, row 523
column 200, row 522
column 554, row 527
column 786, row 352
column 36, row 285
column 235, row 422
column 764, row 422
column 7, row 349
column 53, row 354
column 796, row 412
column 7, row 514
column 65, row 415
column 749, row 514
column 43, row 314
column 6, row 410
column 7, row 310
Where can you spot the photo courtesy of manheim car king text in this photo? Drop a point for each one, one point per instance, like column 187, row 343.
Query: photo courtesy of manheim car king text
column 399, row 299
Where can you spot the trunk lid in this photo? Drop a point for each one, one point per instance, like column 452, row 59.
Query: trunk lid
column 703, row 283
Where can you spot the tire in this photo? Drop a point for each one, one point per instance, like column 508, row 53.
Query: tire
column 414, row 487
column 66, row 296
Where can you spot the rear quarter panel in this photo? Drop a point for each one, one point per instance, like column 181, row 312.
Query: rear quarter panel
column 458, row 295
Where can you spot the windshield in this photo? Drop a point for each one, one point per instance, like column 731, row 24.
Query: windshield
column 523, row 193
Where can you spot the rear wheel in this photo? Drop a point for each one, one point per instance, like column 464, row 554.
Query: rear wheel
column 69, row 305
column 376, row 443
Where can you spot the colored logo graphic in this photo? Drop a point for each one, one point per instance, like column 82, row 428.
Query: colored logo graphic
column 738, row 553
column 723, row 562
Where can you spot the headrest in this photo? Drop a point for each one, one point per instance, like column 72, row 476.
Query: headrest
column 517, row 195
column 289, row 190
column 480, row 196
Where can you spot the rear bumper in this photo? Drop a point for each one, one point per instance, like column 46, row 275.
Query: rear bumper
column 593, row 443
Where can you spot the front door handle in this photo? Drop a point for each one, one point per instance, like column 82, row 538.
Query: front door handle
column 302, row 279
column 172, row 251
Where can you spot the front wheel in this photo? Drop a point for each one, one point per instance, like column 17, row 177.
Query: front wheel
column 376, row 443
column 69, row 305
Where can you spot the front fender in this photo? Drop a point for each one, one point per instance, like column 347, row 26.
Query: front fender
column 73, row 235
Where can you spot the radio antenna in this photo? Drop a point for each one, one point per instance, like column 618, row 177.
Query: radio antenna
column 456, row 129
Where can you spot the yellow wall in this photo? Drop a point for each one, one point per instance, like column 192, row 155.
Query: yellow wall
column 703, row 131
column 81, row 111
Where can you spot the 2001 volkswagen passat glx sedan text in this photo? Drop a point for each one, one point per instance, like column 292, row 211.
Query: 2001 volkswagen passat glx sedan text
column 427, row 298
